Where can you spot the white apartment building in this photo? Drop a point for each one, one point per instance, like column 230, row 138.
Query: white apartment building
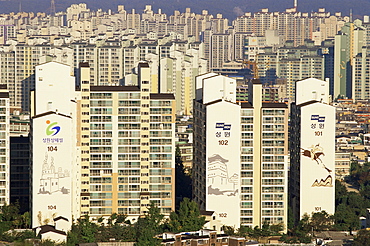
column 100, row 149
column 4, row 146
column 55, row 166
column 18, row 66
column 240, row 154
column 312, row 150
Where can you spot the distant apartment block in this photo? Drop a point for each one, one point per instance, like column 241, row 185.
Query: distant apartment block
column 291, row 63
column 174, row 65
column 342, row 165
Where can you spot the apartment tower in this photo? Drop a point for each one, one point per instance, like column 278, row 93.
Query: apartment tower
column 240, row 154
column 127, row 147
column 4, row 146
column 312, row 150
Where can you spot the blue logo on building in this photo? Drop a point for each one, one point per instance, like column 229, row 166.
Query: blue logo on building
column 318, row 118
column 223, row 126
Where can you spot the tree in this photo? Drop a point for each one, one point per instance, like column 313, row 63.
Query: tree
column 277, row 228
column 243, row 231
column 25, row 220
column 351, row 205
column 116, row 228
column 299, row 233
column 256, row 233
column 9, row 212
column 149, row 226
column 321, row 221
column 9, row 217
column 362, row 238
column 187, row 218
column 84, row 231
column 229, row 230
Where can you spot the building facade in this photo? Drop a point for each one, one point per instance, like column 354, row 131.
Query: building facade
column 240, row 158
column 312, row 150
column 20, row 172
column 55, row 168
column 4, row 146
column 127, row 141
column 99, row 150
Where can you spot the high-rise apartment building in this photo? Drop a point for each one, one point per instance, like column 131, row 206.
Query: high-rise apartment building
column 110, row 61
column 360, row 75
column 348, row 43
column 55, row 167
column 4, row 146
column 18, row 65
column 102, row 149
column 312, row 150
column 220, row 50
column 291, row 24
column 291, row 63
column 127, row 147
column 240, row 158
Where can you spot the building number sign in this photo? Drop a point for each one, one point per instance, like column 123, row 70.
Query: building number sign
column 317, row 124
column 223, row 130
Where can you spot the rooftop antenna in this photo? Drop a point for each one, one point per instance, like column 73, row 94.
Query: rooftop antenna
column 350, row 15
column 52, row 8
column 295, row 5
column 20, row 6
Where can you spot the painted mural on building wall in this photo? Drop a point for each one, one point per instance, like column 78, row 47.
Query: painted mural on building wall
column 315, row 152
column 219, row 180
column 53, row 179
column 223, row 162
column 52, row 167
column 317, row 158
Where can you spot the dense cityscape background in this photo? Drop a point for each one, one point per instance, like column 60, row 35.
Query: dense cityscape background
column 187, row 124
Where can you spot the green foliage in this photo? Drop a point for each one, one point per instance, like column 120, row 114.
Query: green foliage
column 11, row 219
column 187, row 218
column 360, row 177
column 256, row 233
column 244, row 231
column 149, row 226
column 10, row 212
column 321, row 221
column 276, row 229
column 351, row 205
column 143, row 232
column 229, row 230
column 115, row 228
column 17, row 236
column 84, row 231
column 299, row 233
column 39, row 243
column 362, row 238
column 50, row 243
